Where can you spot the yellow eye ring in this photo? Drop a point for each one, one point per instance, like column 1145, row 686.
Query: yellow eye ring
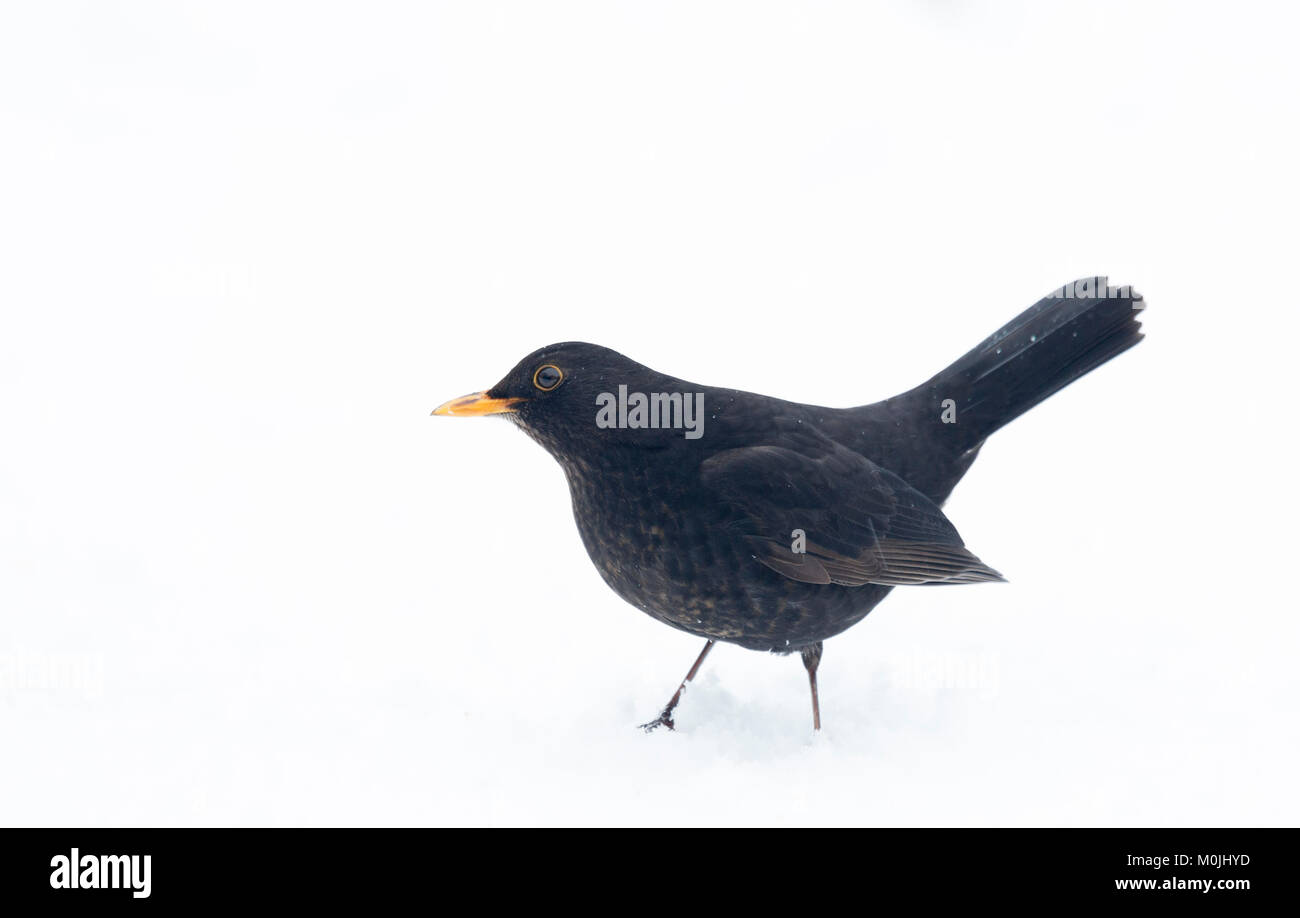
column 554, row 377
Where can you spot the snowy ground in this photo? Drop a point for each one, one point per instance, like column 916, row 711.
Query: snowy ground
column 244, row 578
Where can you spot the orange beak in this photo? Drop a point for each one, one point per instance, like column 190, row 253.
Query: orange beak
column 475, row 404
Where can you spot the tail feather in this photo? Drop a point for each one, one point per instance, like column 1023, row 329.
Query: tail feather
column 1057, row 340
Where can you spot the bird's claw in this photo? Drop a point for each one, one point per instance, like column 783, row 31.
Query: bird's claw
column 663, row 720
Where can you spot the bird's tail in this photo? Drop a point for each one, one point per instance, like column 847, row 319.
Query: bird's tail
column 1041, row 351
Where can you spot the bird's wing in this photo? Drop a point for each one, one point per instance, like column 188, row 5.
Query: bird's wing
column 860, row 523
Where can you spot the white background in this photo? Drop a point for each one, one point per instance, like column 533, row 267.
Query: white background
column 245, row 249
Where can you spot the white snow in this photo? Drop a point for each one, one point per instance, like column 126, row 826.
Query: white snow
column 245, row 249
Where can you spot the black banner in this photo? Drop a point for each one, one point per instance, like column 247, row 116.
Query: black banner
column 136, row 867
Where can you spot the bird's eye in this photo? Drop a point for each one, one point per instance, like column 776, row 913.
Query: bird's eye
column 547, row 377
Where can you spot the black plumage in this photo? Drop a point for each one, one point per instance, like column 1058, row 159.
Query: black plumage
column 776, row 525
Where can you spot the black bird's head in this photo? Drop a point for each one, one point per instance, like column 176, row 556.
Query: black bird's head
column 553, row 395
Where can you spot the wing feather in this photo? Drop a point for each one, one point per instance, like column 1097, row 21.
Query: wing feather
column 862, row 523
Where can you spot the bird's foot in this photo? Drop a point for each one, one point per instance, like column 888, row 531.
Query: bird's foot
column 663, row 720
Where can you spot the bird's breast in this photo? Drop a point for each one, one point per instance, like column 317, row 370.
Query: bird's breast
column 662, row 542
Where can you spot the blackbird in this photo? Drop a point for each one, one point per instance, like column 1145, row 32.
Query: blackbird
column 775, row 525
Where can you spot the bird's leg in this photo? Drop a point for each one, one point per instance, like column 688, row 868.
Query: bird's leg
column 812, row 655
column 665, row 718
